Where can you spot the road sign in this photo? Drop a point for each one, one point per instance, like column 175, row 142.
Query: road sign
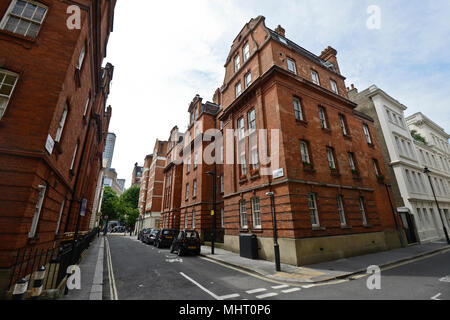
column 83, row 207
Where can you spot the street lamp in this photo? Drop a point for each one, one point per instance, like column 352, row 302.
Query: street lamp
column 393, row 213
column 276, row 247
column 213, row 235
column 427, row 172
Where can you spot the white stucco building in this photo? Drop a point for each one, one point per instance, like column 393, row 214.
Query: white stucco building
column 407, row 158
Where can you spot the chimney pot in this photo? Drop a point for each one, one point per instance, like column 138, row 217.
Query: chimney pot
column 280, row 31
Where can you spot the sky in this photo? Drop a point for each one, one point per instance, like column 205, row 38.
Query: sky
column 166, row 52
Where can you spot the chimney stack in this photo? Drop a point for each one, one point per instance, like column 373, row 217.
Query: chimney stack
column 280, row 31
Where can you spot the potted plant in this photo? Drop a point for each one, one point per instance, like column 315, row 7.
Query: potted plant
column 355, row 172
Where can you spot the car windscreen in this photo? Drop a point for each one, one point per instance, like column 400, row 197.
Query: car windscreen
column 192, row 234
column 169, row 232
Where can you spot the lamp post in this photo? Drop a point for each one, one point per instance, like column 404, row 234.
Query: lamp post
column 393, row 213
column 427, row 172
column 276, row 247
column 213, row 235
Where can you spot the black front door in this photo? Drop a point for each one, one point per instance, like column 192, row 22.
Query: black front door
column 408, row 226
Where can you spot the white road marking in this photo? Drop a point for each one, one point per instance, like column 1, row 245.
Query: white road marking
column 256, row 290
column 201, row 287
column 174, row 260
column 229, row 296
column 308, row 286
column 266, row 295
column 112, row 281
column 436, row 297
column 290, row 290
column 280, row 287
column 445, row 279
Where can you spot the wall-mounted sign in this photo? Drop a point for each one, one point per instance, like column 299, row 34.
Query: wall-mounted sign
column 278, row 173
column 49, row 144
column 83, row 207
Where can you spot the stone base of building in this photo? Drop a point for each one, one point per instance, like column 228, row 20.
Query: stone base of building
column 151, row 222
column 300, row 252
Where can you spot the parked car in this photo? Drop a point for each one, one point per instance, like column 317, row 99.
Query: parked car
column 118, row 229
column 165, row 237
column 142, row 232
column 149, row 237
column 187, row 241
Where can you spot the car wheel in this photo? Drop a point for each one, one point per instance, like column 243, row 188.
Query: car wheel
column 180, row 252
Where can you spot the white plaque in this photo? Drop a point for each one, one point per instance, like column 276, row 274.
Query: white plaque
column 278, row 173
column 49, row 144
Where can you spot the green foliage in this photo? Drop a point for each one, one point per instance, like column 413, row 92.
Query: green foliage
column 124, row 209
column 418, row 137
column 131, row 196
column 109, row 203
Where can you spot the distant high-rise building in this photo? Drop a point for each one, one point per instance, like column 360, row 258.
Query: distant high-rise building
column 109, row 149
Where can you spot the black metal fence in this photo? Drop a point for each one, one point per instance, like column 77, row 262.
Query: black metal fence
column 56, row 261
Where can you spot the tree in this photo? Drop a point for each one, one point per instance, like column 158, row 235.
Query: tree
column 110, row 203
column 131, row 196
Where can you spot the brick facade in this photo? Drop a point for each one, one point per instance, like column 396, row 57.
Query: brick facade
column 48, row 82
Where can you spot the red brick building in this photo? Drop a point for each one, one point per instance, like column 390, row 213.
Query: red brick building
column 144, row 184
column 173, row 179
column 330, row 197
column 136, row 176
column 197, row 184
column 53, row 119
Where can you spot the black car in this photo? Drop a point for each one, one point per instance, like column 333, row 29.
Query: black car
column 165, row 237
column 143, row 232
column 149, row 237
column 186, row 241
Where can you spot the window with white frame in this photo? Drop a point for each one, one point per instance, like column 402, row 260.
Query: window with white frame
column 243, row 164
column 193, row 218
column 194, row 188
column 251, row 118
column 323, row 118
column 376, row 167
column 334, row 86
column 74, row 156
column 62, row 122
column 256, row 212
column 87, row 105
column 188, row 164
column 331, row 162
column 37, row 211
column 81, row 57
column 340, row 203
column 222, row 217
column 291, row 65
column 187, row 191
column 305, row 153
column 351, row 161
column 254, row 157
column 186, row 219
column 312, row 203
column 243, row 214
column 237, row 63
column 363, row 211
column 315, row 77
column 8, row 82
column 60, row 216
column 367, row 133
column 222, row 184
column 241, row 128
column 388, row 114
column 238, row 89
column 195, row 159
column 246, row 51
column 248, row 79
column 24, row 17
column 298, row 109
column 342, row 123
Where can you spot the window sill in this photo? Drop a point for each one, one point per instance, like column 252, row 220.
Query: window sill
column 345, row 226
column 309, row 169
column 326, row 130
column 318, row 228
column 33, row 240
column 302, row 122
column 367, row 226
column 254, row 176
column 17, row 36
column 257, row 230
column 243, row 230
column 335, row 173
column 371, row 145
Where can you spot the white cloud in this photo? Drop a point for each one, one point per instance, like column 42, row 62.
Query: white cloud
column 165, row 52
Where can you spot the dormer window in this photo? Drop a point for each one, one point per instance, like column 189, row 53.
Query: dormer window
column 334, row 86
column 283, row 40
column 24, row 17
column 315, row 77
column 291, row 65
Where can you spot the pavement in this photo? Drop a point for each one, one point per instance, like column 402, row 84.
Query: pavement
column 91, row 267
column 92, row 281
column 325, row 271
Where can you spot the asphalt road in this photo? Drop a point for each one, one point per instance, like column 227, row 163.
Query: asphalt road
column 143, row 272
